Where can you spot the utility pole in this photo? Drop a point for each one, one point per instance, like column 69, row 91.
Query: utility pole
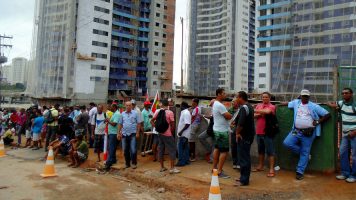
column 3, row 58
column 181, row 61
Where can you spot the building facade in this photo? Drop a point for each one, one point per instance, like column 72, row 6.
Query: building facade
column 221, row 46
column 99, row 49
column 141, row 51
column 18, row 71
column 300, row 44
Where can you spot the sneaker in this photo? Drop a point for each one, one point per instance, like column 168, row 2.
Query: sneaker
column 163, row 169
column 174, row 171
column 223, row 175
column 134, row 166
column 351, row 180
column 234, row 166
column 341, row 177
column 299, row 176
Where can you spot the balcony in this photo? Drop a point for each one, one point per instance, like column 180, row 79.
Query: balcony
column 147, row 10
column 122, row 44
column 144, row 29
column 146, row 1
column 126, row 3
column 121, row 54
column 141, row 68
column 118, row 76
column 141, row 58
column 163, row 77
column 141, row 78
column 143, row 49
column 117, row 65
column 118, row 87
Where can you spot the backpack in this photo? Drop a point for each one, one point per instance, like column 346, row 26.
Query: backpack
column 210, row 130
column 48, row 118
column 161, row 124
column 272, row 126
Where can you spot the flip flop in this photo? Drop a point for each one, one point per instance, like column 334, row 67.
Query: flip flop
column 271, row 174
column 257, row 170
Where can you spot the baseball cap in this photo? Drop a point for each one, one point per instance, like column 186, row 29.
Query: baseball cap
column 305, row 93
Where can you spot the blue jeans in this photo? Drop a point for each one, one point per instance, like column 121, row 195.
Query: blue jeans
column 243, row 151
column 112, row 139
column 183, row 151
column 129, row 147
column 346, row 144
column 300, row 145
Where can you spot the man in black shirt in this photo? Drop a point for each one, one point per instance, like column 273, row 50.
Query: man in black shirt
column 245, row 133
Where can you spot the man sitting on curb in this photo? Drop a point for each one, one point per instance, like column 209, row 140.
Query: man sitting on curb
column 79, row 152
column 60, row 145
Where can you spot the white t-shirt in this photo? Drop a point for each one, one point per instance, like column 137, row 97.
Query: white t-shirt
column 303, row 119
column 185, row 118
column 220, row 123
column 99, row 124
column 92, row 112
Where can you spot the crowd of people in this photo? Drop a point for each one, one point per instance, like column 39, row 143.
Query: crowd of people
column 73, row 130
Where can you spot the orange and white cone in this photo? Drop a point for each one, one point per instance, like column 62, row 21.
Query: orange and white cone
column 215, row 193
column 2, row 149
column 49, row 170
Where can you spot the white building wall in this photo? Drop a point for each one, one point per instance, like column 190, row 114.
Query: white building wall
column 18, row 70
column 87, row 72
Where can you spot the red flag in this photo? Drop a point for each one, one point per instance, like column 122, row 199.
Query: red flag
column 155, row 103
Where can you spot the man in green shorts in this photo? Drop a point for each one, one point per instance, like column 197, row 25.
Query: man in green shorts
column 221, row 132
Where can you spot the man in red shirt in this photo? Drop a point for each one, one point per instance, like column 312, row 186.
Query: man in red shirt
column 21, row 119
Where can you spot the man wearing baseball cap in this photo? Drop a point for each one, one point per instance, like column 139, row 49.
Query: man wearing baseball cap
column 307, row 119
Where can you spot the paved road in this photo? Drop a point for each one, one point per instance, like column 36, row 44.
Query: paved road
column 20, row 179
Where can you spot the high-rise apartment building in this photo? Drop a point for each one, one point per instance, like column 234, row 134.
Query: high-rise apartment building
column 18, row 70
column 300, row 44
column 221, row 46
column 142, row 48
column 92, row 50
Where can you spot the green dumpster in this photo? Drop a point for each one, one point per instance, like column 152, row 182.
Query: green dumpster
column 324, row 149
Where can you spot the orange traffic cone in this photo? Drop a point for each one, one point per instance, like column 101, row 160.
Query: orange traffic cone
column 2, row 149
column 215, row 193
column 49, row 170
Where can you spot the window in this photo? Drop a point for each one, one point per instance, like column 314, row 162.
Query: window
column 96, row 78
column 165, row 7
column 163, row 44
column 156, row 34
column 164, row 26
column 99, row 44
column 163, row 63
column 156, row 44
column 156, row 53
column 165, row 16
column 155, row 63
column 155, row 73
column 158, row 5
column 100, row 9
column 262, row 64
column 157, row 24
column 154, row 82
column 108, row 1
column 164, row 35
column 99, row 55
column 262, row 75
column 158, row 14
column 98, row 67
column 101, row 21
column 163, row 54
column 262, row 86
column 100, row 32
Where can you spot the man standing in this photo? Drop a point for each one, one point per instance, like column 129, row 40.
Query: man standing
column 129, row 131
column 98, row 130
column 147, row 127
column 221, row 132
column 92, row 111
column 265, row 142
column 305, row 128
column 112, row 135
column 234, row 111
column 184, row 135
column 166, row 139
column 81, row 127
column 245, row 132
column 21, row 129
column 52, row 125
column 196, row 120
column 347, row 108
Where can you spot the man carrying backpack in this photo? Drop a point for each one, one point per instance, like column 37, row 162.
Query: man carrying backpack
column 163, row 122
column 51, row 119
column 347, row 108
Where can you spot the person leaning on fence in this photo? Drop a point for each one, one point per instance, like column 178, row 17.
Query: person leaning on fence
column 308, row 117
column 347, row 109
column 264, row 141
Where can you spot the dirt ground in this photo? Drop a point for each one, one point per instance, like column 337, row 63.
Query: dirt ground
column 20, row 171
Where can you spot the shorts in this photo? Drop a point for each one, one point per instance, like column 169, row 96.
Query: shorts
column 265, row 145
column 221, row 140
column 166, row 142
column 98, row 143
column 194, row 133
column 155, row 139
column 36, row 137
column 79, row 132
column 28, row 134
column 82, row 156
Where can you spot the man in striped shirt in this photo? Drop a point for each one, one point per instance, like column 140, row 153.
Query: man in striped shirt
column 347, row 108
